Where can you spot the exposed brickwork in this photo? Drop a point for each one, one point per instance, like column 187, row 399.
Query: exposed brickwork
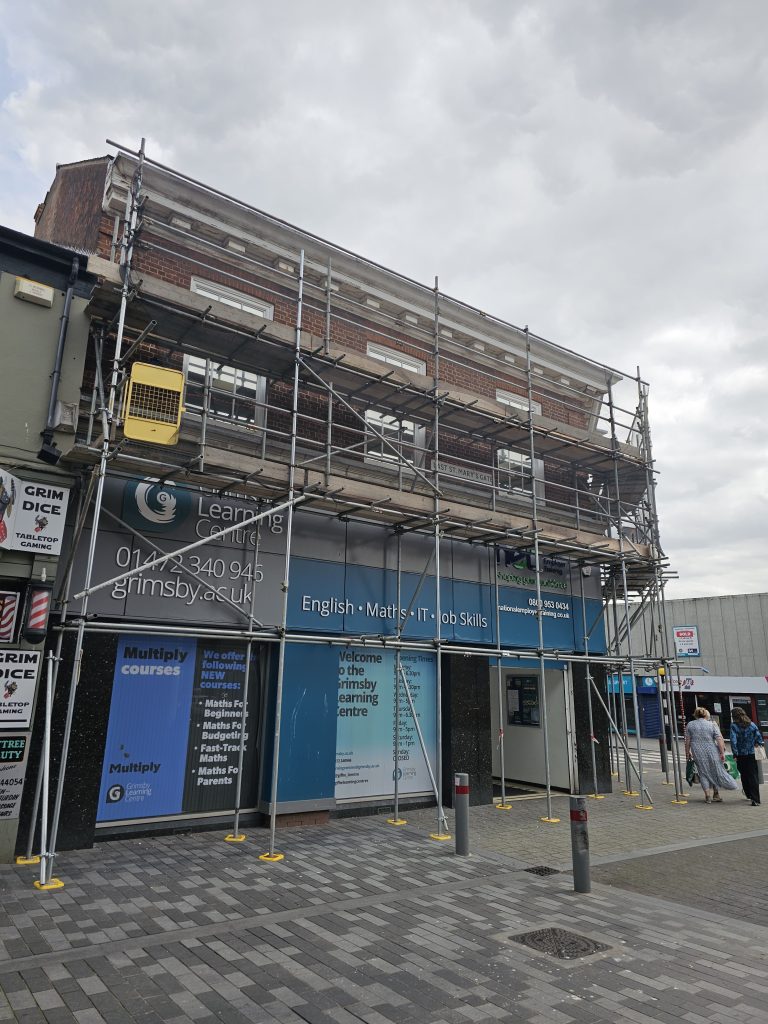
column 71, row 212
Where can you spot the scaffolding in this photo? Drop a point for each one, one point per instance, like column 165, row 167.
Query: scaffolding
column 291, row 411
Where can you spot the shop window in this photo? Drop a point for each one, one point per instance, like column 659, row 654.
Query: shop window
column 394, row 358
column 762, row 713
column 235, row 395
column 233, row 298
column 523, row 703
column 404, row 436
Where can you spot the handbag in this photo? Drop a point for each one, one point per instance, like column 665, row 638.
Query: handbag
column 759, row 752
column 691, row 775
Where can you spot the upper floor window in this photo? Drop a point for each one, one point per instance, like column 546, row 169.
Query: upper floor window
column 393, row 441
column 395, row 358
column 230, row 297
column 514, row 470
column 517, row 401
column 234, row 394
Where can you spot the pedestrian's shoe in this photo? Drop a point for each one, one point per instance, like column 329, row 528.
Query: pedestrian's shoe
column 707, row 799
column 717, row 799
column 755, row 803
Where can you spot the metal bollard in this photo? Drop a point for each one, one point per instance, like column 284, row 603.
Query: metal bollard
column 580, row 845
column 663, row 755
column 461, row 808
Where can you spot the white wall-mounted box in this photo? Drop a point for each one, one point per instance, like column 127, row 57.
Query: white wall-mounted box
column 33, row 291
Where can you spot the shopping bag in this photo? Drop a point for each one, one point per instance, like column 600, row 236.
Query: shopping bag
column 691, row 775
column 730, row 766
column 759, row 752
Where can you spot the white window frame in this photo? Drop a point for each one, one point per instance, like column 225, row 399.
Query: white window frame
column 517, row 401
column 394, row 358
column 506, row 461
column 228, row 380
column 403, row 435
column 231, row 297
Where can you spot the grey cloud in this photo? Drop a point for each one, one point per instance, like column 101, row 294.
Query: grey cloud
column 595, row 170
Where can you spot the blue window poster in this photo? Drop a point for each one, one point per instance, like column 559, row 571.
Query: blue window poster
column 174, row 729
column 365, row 730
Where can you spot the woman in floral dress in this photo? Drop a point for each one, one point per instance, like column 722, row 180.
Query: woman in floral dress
column 705, row 745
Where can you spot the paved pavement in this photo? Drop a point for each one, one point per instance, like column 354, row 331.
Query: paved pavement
column 727, row 878
column 363, row 922
column 615, row 825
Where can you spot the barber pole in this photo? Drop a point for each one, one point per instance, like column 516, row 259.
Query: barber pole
column 36, row 614
column 9, row 606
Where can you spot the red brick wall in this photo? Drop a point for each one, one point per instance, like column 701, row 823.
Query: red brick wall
column 70, row 214
column 73, row 209
column 352, row 331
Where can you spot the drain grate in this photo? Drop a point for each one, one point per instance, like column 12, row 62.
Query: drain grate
column 542, row 869
column 558, row 942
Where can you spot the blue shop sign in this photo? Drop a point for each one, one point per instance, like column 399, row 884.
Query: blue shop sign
column 644, row 684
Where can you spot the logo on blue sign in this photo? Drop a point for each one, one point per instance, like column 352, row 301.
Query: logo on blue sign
column 152, row 506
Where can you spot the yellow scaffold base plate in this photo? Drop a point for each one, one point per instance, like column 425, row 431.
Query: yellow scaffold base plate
column 503, row 807
column 231, row 838
column 439, row 837
column 272, row 857
column 550, row 821
column 54, row 883
column 680, row 802
column 667, row 783
column 397, row 821
column 28, row 860
column 614, row 775
column 631, row 792
column 596, row 796
column 643, row 807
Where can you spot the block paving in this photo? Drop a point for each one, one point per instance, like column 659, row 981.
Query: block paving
column 363, row 922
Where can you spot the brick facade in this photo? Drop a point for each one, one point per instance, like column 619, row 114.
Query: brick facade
column 73, row 207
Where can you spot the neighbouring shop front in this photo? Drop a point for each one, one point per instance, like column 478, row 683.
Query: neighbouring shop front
column 648, row 704
column 721, row 694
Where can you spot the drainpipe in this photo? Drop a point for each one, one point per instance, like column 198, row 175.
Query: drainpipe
column 49, row 451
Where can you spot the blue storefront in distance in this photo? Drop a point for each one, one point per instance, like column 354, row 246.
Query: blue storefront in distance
column 647, row 702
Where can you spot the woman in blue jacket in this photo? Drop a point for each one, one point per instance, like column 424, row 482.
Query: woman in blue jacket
column 744, row 737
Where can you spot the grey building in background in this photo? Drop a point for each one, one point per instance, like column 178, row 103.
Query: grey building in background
column 729, row 668
column 733, row 631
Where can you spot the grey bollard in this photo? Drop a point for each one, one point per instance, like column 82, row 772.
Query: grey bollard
column 663, row 754
column 461, row 808
column 580, row 845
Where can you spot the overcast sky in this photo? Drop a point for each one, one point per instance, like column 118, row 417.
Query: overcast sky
column 598, row 170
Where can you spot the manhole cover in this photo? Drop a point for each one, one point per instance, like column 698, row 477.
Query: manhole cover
column 558, row 942
column 542, row 869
